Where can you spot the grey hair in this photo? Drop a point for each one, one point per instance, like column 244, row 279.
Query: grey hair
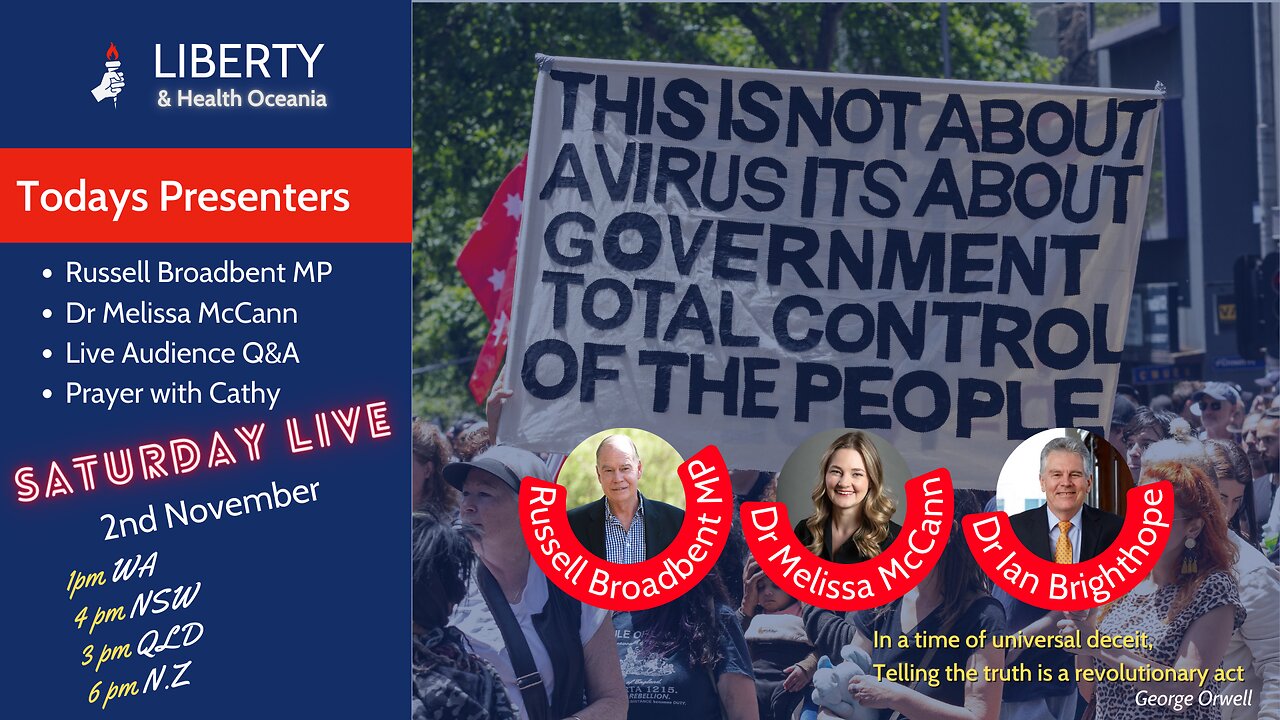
column 1066, row 444
column 616, row 439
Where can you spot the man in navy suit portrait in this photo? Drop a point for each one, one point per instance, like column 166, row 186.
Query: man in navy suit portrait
column 1062, row 530
column 624, row 526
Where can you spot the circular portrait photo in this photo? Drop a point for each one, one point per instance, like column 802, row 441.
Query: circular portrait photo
column 1064, row 490
column 624, row 498
column 844, row 490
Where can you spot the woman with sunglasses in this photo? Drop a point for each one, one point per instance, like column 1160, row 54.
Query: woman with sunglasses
column 1216, row 406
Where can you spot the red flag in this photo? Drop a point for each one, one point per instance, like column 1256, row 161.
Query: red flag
column 483, row 262
column 495, row 344
column 488, row 265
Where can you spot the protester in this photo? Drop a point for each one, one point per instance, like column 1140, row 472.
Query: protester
column 448, row 681
column 951, row 600
column 1188, row 607
column 1122, row 411
column 1216, row 406
column 1130, row 393
column 753, row 485
column 1145, row 427
column 734, row 557
column 781, row 653
column 686, row 659
column 852, row 519
column 1256, row 645
column 1181, row 396
column 1263, row 487
column 458, row 426
column 430, row 453
column 1266, row 391
column 472, row 440
column 748, row 486
column 514, row 617
column 1230, row 467
column 1262, row 445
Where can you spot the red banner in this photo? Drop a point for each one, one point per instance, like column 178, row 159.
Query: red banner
column 206, row 195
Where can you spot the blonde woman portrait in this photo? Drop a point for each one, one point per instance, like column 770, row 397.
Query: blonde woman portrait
column 853, row 511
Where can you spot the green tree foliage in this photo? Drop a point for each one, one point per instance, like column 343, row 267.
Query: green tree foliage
column 474, row 77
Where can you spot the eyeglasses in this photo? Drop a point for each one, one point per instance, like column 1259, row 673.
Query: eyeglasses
column 1214, row 406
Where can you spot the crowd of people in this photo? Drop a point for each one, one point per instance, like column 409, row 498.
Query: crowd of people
column 493, row 638
column 1239, row 432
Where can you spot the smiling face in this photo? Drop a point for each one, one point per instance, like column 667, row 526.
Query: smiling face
column 846, row 479
column 1064, row 483
column 618, row 470
column 490, row 506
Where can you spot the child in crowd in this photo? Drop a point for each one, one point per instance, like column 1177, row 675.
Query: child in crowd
column 782, row 656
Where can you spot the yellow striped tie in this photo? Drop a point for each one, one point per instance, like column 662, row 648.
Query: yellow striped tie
column 1062, row 553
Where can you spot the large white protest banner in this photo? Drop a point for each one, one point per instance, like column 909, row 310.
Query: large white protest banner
column 748, row 257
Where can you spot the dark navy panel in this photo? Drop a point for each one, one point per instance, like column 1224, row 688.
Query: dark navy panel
column 305, row 607
column 54, row 55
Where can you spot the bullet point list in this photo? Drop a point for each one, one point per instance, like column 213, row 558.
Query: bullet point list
column 47, row 273
column 47, row 353
column 47, row 313
column 47, row 393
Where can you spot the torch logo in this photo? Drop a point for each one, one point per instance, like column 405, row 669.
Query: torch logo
column 112, row 80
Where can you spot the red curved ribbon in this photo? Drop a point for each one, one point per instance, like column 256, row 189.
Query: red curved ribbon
column 708, row 518
column 860, row 586
column 1083, row 585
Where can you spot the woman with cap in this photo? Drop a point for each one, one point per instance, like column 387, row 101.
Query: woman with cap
column 1216, row 406
column 556, row 656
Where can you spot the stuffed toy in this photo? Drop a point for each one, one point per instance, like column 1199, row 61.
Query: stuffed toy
column 831, row 684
